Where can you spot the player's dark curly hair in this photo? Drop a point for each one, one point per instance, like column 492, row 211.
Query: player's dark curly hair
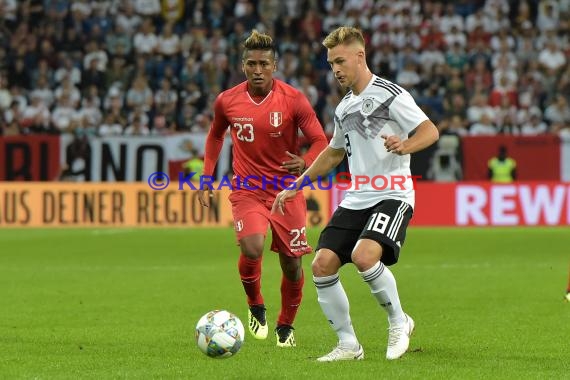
column 258, row 41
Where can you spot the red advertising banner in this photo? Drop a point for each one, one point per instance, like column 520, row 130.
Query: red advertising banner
column 538, row 157
column 29, row 158
column 487, row 204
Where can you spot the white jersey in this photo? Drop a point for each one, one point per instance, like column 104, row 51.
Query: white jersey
column 382, row 108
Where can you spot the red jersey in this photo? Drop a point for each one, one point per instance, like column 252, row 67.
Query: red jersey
column 262, row 132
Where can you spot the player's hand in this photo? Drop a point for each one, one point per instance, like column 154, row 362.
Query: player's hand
column 279, row 203
column 205, row 201
column 295, row 165
column 393, row 144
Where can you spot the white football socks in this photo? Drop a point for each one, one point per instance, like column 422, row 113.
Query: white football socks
column 335, row 306
column 383, row 286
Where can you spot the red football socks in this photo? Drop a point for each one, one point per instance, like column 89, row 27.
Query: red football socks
column 291, row 295
column 250, row 273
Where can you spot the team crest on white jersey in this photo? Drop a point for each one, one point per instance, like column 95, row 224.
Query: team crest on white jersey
column 367, row 106
column 275, row 118
column 239, row 225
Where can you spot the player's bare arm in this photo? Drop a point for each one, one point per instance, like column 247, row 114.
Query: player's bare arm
column 214, row 144
column 425, row 134
column 325, row 162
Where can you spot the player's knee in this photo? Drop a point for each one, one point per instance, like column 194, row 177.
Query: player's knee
column 325, row 263
column 365, row 258
column 252, row 251
column 291, row 267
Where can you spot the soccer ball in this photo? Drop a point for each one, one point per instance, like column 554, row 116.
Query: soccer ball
column 219, row 334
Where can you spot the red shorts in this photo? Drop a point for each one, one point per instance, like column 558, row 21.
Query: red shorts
column 252, row 215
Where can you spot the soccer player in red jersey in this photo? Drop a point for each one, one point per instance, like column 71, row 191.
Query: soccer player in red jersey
column 264, row 116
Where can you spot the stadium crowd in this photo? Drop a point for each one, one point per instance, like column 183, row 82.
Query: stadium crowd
column 140, row 67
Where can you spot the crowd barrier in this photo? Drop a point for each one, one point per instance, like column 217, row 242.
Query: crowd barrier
column 71, row 204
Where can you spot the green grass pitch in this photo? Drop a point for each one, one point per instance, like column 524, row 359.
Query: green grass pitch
column 97, row 304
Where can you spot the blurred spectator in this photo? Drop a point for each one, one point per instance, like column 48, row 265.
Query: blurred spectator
column 478, row 77
column 12, row 115
column 454, row 126
column 167, row 49
column 432, row 55
column 558, row 112
column 93, row 76
column 484, row 126
column 5, row 95
column 505, row 113
column 509, row 126
column 128, row 20
column 548, row 15
column 19, row 75
column 137, row 128
column 450, row 20
column 552, row 59
column 478, row 107
column 44, row 92
column 455, row 57
column 73, row 43
column 146, row 41
column 118, row 42
column 42, row 71
column 140, row 95
column 147, row 8
column 534, row 126
column 166, row 100
column 172, row 10
column 68, row 69
column 36, row 117
column 118, row 74
column 67, row 87
column 110, row 127
column 503, row 89
column 64, row 116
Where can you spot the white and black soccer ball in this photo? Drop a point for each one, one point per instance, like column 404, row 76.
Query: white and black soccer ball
column 219, row 334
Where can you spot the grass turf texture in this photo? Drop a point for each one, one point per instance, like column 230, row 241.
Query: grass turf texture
column 124, row 303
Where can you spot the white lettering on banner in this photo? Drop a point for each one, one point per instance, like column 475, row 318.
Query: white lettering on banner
column 133, row 158
column 511, row 205
column 503, row 206
column 470, row 201
column 542, row 202
column 115, row 158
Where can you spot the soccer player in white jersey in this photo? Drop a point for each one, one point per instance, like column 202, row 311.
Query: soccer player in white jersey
column 372, row 123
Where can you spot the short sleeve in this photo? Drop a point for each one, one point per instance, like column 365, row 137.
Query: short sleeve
column 406, row 112
column 337, row 141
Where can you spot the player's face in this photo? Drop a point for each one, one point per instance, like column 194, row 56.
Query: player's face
column 345, row 62
column 258, row 67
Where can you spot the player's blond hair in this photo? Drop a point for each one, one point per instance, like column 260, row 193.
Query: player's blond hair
column 343, row 35
column 258, row 41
